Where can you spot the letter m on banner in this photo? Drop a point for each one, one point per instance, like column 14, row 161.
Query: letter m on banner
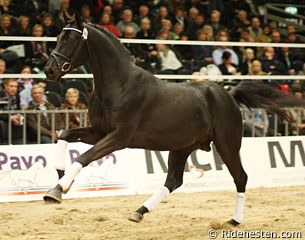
column 275, row 146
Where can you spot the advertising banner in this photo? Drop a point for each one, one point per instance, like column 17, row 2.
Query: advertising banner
column 28, row 171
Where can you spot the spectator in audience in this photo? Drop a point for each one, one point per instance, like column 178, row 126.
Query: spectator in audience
column 127, row 21
column 177, row 4
column 26, row 94
column 208, row 29
column 198, row 4
column 58, row 15
column 157, row 21
column 227, row 67
column 5, row 8
column 186, row 51
column 178, row 29
column 37, row 51
column 265, row 36
column 196, row 25
column 2, row 71
column 248, row 59
column 34, row 10
column 145, row 33
column 167, row 27
column 286, row 57
column 135, row 50
column 106, row 23
column 143, row 14
column 180, row 18
column 255, row 30
column 170, row 61
column 54, row 5
column 25, row 82
column 244, row 35
column 217, row 53
column 13, row 62
column 215, row 21
column 108, row 9
column 270, row 63
column 24, row 26
column 297, row 126
column 192, row 13
column 49, row 27
column 276, row 38
column 10, row 95
column 117, row 10
column 202, row 54
column 255, row 121
column 38, row 103
column 256, row 68
column 241, row 21
column 86, row 14
column 6, row 29
column 72, row 102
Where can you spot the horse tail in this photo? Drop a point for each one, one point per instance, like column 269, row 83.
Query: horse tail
column 255, row 94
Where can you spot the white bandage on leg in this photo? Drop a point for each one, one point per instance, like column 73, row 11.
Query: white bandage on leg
column 66, row 181
column 156, row 198
column 60, row 155
column 239, row 208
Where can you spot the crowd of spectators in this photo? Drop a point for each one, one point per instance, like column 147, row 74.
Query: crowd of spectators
column 203, row 20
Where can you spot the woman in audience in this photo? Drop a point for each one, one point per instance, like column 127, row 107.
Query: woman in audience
column 72, row 103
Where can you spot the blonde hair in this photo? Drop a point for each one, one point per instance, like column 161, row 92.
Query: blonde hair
column 72, row 91
column 37, row 26
column 36, row 86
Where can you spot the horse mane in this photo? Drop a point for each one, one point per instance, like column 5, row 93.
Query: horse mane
column 114, row 39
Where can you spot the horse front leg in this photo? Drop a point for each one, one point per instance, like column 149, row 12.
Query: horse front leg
column 87, row 135
column 105, row 146
column 174, row 179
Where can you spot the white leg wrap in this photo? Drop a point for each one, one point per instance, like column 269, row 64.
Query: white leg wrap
column 60, row 159
column 239, row 209
column 156, row 198
column 69, row 176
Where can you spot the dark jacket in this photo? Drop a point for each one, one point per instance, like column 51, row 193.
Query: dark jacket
column 45, row 121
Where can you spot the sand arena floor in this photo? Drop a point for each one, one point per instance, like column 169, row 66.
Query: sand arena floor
column 182, row 216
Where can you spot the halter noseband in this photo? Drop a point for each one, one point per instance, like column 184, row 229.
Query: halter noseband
column 66, row 66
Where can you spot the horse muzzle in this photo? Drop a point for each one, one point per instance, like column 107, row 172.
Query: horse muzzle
column 52, row 73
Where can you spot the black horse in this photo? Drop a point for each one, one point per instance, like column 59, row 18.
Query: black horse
column 132, row 108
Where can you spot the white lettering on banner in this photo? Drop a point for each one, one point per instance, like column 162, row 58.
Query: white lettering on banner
column 28, row 171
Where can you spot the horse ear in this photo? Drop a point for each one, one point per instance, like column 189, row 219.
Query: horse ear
column 72, row 16
column 69, row 16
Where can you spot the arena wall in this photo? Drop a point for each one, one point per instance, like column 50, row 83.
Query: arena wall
column 28, row 171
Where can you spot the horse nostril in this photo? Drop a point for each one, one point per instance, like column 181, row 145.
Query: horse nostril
column 49, row 71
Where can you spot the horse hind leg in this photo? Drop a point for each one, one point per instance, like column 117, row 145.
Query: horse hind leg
column 240, row 177
column 174, row 179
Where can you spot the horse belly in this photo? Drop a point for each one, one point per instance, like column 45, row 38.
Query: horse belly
column 171, row 132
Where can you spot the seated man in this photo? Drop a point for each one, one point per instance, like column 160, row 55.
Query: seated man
column 10, row 101
column 45, row 126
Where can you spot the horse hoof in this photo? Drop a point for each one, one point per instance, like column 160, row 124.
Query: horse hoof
column 53, row 196
column 233, row 222
column 136, row 217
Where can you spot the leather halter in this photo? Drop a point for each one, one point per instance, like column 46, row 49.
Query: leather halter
column 66, row 66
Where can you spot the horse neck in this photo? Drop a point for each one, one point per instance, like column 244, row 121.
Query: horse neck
column 109, row 62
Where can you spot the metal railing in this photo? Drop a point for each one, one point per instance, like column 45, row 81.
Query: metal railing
column 81, row 113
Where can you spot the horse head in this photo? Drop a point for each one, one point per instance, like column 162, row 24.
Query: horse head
column 71, row 48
